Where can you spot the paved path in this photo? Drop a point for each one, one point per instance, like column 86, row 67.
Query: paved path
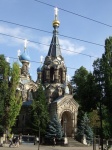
column 35, row 147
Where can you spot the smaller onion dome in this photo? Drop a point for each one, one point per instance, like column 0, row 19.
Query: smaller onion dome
column 24, row 57
column 38, row 69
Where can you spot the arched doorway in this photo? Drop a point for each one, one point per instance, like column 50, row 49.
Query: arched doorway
column 67, row 123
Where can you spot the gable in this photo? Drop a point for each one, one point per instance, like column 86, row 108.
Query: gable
column 67, row 102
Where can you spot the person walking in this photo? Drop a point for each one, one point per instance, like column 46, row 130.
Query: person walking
column 36, row 140
column 12, row 141
column 54, row 141
column 17, row 141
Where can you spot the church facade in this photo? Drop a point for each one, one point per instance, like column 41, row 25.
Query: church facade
column 53, row 76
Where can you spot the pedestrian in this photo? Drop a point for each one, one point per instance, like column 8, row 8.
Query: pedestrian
column 12, row 141
column 17, row 141
column 20, row 138
column 36, row 140
column 54, row 141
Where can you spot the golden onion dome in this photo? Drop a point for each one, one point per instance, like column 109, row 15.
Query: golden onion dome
column 56, row 23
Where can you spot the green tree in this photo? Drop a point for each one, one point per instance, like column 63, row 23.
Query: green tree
column 10, row 99
column 15, row 98
column 39, row 112
column 84, row 128
column 54, row 129
column 103, row 78
column 94, row 91
column 84, row 89
column 107, row 73
column 4, row 83
column 94, row 119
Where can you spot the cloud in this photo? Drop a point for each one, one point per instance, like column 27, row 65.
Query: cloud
column 70, row 48
column 6, row 30
column 15, row 32
column 67, row 47
column 9, row 30
column 19, row 33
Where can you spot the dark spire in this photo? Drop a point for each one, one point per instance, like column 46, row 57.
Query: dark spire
column 54, row 49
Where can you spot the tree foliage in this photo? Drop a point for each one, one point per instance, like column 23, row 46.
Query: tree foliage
column 84, row 89
column 4, row 87
column 54, row 129
column 39, row 112
column 10, row 99
column 103, row 78
column 15, row 99
column 94, row 119
column 95, row 90
column 84, row 129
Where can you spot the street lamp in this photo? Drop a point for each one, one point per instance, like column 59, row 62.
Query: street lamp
column 102, row 95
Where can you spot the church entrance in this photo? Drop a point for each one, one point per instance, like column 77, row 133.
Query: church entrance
column 67, row 123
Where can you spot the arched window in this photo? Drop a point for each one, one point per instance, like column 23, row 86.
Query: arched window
column 52, row 75
column 60, row 75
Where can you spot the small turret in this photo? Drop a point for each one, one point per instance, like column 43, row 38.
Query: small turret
column 24, row 57
column 25, row 60
column 38, row 69
column 39, row 72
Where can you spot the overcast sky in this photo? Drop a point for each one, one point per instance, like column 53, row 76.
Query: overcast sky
column 37, row 15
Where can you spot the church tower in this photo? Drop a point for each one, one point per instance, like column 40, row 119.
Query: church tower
column 54, row 70
column 58, row 90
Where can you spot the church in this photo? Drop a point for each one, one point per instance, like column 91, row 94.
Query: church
column 53, row 76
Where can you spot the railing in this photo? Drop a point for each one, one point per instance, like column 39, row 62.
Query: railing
column 26, row 138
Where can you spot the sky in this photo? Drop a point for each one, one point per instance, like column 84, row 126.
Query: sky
column 40, row 16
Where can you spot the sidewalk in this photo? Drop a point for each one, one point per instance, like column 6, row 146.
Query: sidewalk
column 35, row 147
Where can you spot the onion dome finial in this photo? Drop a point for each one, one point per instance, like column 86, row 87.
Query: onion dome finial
column 24, row 56
column 56, row 22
